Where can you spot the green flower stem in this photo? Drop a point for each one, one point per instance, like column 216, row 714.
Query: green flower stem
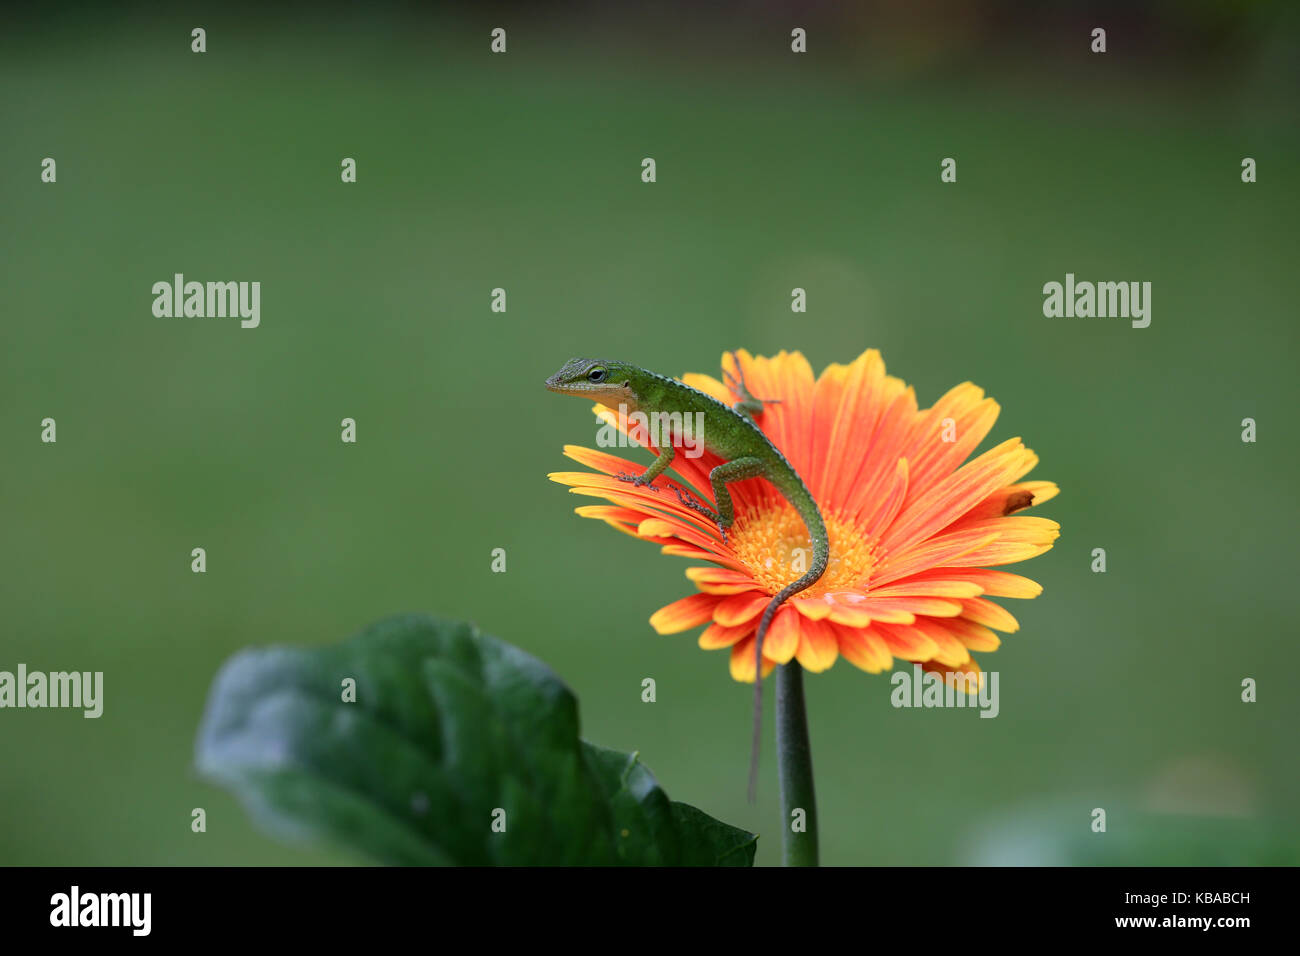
column 794, row 762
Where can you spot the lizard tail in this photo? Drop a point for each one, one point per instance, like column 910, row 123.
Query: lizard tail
column 820, row 558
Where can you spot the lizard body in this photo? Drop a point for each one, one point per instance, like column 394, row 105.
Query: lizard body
column 728, row 432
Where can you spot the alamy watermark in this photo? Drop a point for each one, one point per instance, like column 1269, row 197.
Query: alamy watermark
column 659, row 429
column 211, row 300
column 75, row 908
column 929, row 689
column 1085, row 300
column 75, row 689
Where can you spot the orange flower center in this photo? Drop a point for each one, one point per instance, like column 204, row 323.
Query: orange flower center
column 773, row 544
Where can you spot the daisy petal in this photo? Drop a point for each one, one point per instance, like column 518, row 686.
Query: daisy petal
column 782, row 638
column 863, row 649
column 942, row 550
column 985, row 612
column 974, row 636
column 967, row 678
column 685, row 614
column 720, row 580
column 742, row 661
column 740, row 608
column 951, row 652
column 716, row 636
column 953, row 496
column 907, row 642
column 994, row 583
column 818, row 646
column 900, row 610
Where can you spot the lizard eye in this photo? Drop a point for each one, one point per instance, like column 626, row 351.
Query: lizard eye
column 596, row 376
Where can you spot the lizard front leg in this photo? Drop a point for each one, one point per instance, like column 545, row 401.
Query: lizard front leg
column 656, row 469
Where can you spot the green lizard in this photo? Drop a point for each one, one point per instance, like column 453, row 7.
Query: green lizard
column 731, row 434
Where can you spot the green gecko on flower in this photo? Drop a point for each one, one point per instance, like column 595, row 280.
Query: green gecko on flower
column 731, row 434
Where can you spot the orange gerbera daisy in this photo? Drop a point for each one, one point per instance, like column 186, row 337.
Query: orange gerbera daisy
column 914, row 533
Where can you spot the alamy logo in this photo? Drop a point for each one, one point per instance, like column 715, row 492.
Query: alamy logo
column 928, row 689
column 659, row 429
column 56, row 689
column 1084, row 300
column 102, row 909
column 211, row 300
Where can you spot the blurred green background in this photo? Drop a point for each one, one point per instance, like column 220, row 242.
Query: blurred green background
column 1122, row 690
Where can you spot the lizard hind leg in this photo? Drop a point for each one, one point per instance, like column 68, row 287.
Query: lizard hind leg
column 705, row 510
column 738, row 469
column 695, row 505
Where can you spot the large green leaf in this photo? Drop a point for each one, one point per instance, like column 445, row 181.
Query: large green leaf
column 451, row 730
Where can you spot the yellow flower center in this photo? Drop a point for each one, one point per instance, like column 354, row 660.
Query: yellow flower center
column 773, row 544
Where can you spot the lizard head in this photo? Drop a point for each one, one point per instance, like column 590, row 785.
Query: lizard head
column 600, row 380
